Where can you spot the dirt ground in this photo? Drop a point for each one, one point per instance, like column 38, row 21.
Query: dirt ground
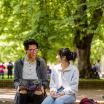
column 96, row 94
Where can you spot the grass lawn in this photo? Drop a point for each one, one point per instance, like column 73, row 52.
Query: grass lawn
column 6, row 76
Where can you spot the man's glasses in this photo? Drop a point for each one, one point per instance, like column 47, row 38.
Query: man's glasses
column 33, row 50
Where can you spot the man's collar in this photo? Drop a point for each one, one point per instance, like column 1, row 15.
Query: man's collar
column 28, row 60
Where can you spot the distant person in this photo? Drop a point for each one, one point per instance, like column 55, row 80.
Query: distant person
column 94, row 71
column 97, row 65
column 93, row 68
column 64, row 79
column 48, row 71
column 10, row 69
column 2, row 70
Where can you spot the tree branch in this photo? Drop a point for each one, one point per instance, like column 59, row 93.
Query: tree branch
column 96, row 17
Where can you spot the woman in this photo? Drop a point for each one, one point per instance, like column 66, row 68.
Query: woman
column 64, row 79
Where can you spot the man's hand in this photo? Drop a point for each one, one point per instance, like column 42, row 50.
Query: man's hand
column 42, row 89
column 39, row 91
column 17, row 90
column 22, row 89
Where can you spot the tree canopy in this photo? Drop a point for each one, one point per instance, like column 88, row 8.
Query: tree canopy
column 53, row 23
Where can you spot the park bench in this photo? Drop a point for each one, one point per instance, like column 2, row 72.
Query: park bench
column 83, row 85
column 12, row 102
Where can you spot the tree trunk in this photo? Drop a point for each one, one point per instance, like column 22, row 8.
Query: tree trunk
column 83, row 38
column 84, row 65
column 83, row 55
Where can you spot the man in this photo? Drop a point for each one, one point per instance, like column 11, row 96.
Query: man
column 10, row 69
column 30, row 75
column 97, row 65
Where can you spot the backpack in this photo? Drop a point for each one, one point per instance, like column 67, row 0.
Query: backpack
column 87, row 101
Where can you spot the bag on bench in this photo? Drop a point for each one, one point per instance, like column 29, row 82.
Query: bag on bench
column 87, row 101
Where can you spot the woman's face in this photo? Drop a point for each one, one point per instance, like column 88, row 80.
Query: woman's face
column 58, row 58
column 61, row 59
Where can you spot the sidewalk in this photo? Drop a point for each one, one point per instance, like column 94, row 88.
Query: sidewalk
column 8, row 94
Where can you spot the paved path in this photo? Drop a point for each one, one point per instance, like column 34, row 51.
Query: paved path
column 8, row 94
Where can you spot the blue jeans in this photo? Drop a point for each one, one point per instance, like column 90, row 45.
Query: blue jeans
column 66, row 99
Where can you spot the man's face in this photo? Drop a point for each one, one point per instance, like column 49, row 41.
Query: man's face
column 32, row 51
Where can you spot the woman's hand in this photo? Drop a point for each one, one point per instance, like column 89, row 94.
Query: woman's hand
column 61, row 93
column 53, row 94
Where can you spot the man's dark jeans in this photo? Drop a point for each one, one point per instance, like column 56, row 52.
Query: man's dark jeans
column 29, row 98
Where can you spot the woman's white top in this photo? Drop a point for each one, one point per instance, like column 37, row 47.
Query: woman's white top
column 69, row 79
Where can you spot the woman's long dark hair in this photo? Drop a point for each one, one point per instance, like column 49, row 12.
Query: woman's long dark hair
column 65, row 52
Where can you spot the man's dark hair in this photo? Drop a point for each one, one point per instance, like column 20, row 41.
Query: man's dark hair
column 28, row 42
